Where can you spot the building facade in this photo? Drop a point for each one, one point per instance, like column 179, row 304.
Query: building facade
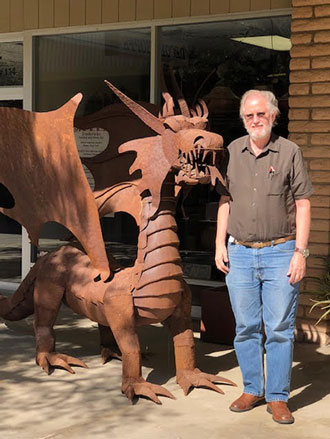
column 217, row 49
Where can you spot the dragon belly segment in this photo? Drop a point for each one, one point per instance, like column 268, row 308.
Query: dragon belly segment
column 159, row 288
column 154, row 169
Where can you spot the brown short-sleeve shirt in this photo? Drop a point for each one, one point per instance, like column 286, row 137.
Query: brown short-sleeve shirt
column 264, row 189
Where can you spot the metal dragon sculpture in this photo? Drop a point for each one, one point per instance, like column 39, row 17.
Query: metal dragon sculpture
column 142, row 177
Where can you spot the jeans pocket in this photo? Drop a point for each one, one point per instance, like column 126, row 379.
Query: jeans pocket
column 232, row 248
column 286, row 247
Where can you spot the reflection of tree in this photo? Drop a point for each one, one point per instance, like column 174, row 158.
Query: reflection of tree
column 238, row 66
column 241, row 72
column 191, row 79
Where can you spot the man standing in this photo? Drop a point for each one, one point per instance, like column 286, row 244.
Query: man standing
column 267, row 218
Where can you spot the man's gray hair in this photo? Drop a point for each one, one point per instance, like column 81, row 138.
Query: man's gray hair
column 268, row 95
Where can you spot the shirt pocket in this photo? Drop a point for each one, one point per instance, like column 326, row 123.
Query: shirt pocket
column 276, row 183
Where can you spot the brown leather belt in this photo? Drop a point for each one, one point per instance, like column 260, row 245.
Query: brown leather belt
column 261, row 244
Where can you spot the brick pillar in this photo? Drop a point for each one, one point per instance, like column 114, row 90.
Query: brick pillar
column 309, row 127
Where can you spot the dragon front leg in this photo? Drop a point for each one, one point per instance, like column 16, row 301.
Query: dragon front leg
column 119, row 311
column 187, row 374
column 47, row 301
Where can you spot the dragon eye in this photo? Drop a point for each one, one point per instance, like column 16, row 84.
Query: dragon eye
column 198, row 138
column 167, row 126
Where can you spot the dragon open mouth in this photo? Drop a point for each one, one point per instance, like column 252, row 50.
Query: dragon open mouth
column 197, row 166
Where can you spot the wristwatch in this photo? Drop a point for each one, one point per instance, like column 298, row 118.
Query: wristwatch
column 303, row 251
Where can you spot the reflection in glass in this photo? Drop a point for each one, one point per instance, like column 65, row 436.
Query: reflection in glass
column 12, row 103
column 10, row 230
column 73, row 63
column 219, row 61
column 8, row 225
column 11, row 64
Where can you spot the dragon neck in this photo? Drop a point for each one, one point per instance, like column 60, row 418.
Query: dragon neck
column 158, row 243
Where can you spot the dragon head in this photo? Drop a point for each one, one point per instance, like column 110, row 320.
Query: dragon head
column 197, row 148
column 183, row 145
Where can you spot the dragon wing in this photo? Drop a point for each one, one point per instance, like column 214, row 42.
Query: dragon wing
column 117, row 185
column 41, row 169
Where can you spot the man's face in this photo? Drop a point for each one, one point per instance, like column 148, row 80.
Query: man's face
column 258, row 121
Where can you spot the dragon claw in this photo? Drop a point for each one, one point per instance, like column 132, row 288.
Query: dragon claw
column 139, row 387
column 107, row 354
column 195, row 378
column 218, row 379
column 48, row 360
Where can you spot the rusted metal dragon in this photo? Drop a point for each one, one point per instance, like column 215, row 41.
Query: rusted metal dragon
column 142, row 177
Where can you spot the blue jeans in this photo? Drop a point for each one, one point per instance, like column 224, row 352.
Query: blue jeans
column 263, row 300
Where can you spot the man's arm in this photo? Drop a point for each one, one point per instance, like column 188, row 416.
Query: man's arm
column 221, row 257
column 297, row 269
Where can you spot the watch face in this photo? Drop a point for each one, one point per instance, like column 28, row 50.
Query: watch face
column 306, row 252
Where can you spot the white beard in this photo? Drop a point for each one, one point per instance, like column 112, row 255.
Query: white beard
column 265, row 132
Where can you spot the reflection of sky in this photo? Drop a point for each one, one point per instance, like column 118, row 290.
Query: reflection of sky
column 117, row 52
column 11, row 63
column 221, row 32
column 72, row 63
column 197, row 37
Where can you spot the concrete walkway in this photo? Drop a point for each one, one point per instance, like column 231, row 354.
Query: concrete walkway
column 89, row 404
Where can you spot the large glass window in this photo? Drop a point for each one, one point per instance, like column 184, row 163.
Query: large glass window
column 72, row 63
column 11, row 64
column 11, row 79
column 218, row 62
column 10, row 230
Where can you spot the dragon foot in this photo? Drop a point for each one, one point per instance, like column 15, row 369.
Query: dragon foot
column 49, row 360
column 196, row 378
column 139, row 387
column 107, row 354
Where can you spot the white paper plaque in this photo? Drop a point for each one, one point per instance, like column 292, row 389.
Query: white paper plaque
column 90, row 143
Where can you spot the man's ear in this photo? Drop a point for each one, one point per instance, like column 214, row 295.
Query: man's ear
column 274, row 115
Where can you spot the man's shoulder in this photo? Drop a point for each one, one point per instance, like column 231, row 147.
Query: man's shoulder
column 280, row 142
column 238, row 143
column 286, row 144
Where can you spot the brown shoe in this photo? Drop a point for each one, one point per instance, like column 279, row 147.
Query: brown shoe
column 280, row 412
column 245, row 402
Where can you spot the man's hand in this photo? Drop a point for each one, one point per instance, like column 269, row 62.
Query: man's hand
column 297, row 269
column 221, row 258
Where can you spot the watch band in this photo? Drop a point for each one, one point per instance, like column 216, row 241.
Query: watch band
column 303, row 251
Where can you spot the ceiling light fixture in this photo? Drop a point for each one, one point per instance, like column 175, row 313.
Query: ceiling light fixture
column 273, row 42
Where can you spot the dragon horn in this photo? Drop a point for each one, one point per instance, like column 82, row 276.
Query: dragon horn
column 168, row 108
column 149, row 119
column 204, row 107
column 178, row 94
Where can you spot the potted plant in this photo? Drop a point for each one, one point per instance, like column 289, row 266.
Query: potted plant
column 323, row 291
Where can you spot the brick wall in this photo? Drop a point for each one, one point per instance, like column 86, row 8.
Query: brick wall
column 309, row 127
